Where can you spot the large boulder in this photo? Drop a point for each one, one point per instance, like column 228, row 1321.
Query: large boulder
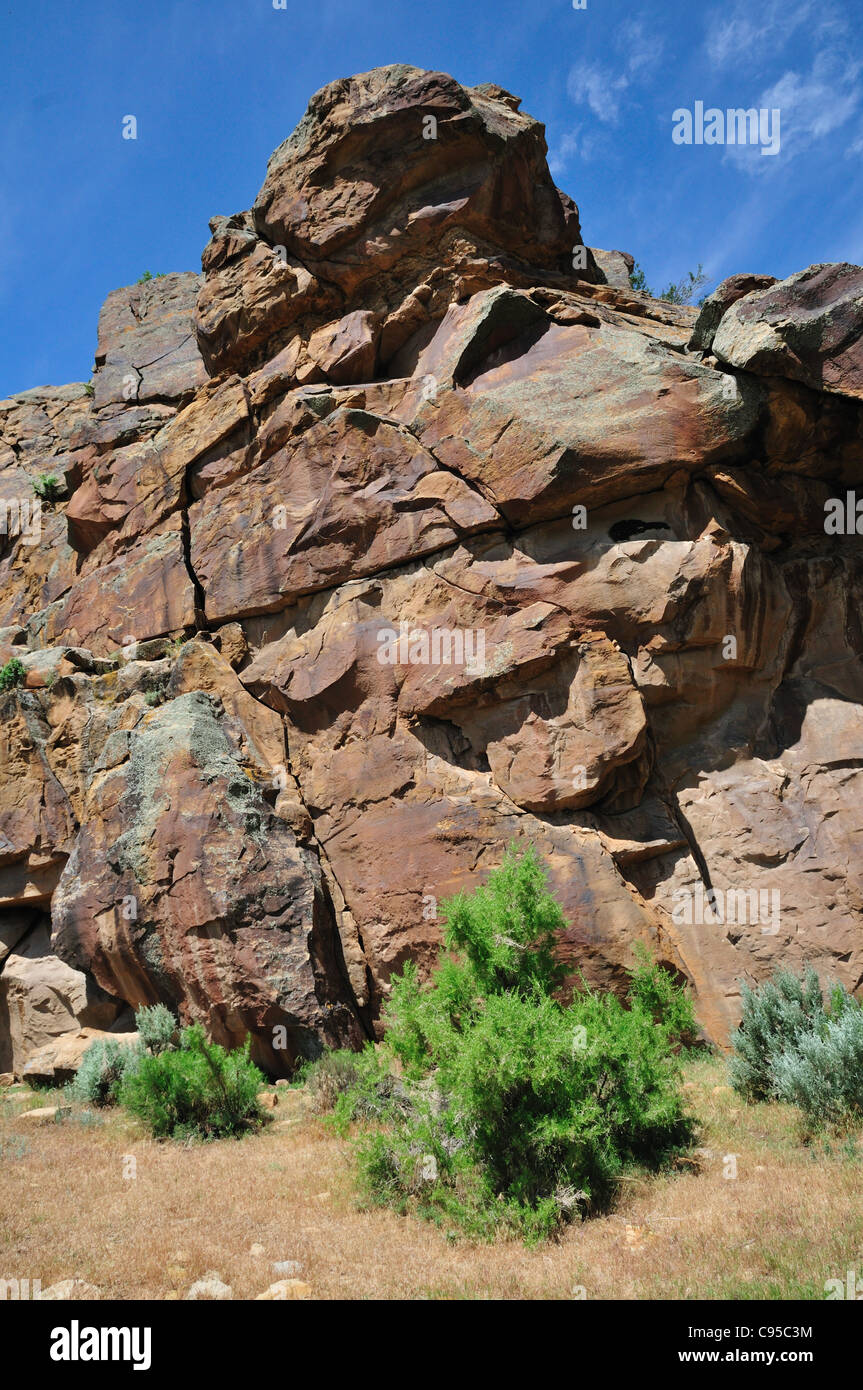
column 808, row 327
column 398, row 190
column 43, row 999
column 147, row 349
column 186, row 886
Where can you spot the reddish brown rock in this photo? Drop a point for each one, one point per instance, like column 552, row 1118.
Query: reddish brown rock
column 719, row 301
column 147, row 349
column 185, row 886
column 137, row 593
column 808, row 327
column 398, row 191
column 459, row 545
column 355, row 494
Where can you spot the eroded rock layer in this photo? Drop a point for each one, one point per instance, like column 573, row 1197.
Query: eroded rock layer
column 404, row 531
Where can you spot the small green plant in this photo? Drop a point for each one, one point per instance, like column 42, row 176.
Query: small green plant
column 102, row 1071
column 156, row 1027
column 354, row 1086
column 48, row 486
column 657, row 992
column 142, row 279
column 638, row 280
column 678, row 292
column 198, row 1091
column 682, row 291
column 12, row 674
column 89, row 389
column 156, row 695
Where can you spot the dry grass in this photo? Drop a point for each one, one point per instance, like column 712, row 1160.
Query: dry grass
column 791, row 1219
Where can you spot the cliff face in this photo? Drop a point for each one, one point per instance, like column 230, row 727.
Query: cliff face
column 404, row 531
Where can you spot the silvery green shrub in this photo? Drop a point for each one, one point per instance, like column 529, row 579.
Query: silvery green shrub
column 156, row 1027
column 102, row 1071
column 823, row 1072
column 774, row 1015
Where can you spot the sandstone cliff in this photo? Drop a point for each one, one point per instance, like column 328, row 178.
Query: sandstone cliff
column 405, row 530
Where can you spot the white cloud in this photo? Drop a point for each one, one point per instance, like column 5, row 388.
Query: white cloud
column 643, row 49
column 599, row 87
column 812, row 106
column 603, row 88
column 750, row 33
column 578, row 143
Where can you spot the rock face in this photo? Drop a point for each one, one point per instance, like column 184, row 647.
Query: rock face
column 407, row 530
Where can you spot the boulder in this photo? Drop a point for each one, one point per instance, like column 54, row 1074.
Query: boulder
column 147, row 349
column 615, row 267
column 57, row 1061
column 808, row 327
column 185, row 886
column 42, row 999
column 718, row 302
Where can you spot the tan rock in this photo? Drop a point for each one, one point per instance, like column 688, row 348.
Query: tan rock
column 211, row 1288
column 43, row 1001
column 71, row 1290
column 285, row 1289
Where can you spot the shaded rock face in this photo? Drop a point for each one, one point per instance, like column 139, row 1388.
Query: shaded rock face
column 429, row 535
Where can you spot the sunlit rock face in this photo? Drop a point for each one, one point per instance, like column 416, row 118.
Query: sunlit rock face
column 404, row 531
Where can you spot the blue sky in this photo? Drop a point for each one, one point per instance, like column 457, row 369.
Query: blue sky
column 216, row 85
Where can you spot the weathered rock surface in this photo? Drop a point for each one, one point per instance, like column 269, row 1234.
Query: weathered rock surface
column 398, row 189
column 808, row 327
column 147, row 349
column 454, row 540
column 42, row 998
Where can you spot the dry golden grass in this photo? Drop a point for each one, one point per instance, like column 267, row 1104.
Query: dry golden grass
column 791, row 1219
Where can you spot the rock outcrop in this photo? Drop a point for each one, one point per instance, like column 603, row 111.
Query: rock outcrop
column 406, row 530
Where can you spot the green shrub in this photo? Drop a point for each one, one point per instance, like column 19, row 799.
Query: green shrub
column 682, row 291
column 48, row 486
column 12, row 674
column 678, row 292
column 638, row 280
column 514, row 1110
column 199, row 1090
column 508, row 928
column 142, row 279
column 656, row 990
column 775, row 1015
column 822, row 1072
column 156, row 1027
column 102, row 1071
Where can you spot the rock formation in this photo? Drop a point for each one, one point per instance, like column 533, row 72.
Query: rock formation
column 406, row 530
